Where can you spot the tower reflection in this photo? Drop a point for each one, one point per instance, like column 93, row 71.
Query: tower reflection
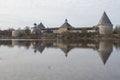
column 105, row 49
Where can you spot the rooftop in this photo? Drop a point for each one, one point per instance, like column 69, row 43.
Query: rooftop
column 105, row 19
column 66, row 24
column 41, row 26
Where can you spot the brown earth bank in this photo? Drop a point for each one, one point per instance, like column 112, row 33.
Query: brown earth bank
column 65, row 37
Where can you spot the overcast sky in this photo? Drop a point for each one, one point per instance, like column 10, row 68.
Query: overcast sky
column 80, row 13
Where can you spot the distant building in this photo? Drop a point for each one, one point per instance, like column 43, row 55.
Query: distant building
column 17, row 33
column 105, row 26
column 37, row 29
column 66, row 27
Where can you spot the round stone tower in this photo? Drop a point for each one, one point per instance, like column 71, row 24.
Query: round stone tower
column 105, row 26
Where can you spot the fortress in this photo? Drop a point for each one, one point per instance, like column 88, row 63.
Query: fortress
column 104, row 27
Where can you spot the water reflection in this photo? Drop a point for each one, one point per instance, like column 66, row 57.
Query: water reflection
column 38, row 46
column 104, row 47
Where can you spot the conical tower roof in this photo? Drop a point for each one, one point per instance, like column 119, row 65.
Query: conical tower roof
column 66, row 25
column 104, row 19
column 41, row 26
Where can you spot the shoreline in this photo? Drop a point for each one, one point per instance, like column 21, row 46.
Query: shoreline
column 77, row 39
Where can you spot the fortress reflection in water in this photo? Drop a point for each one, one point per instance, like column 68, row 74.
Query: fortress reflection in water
column 104, row 47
